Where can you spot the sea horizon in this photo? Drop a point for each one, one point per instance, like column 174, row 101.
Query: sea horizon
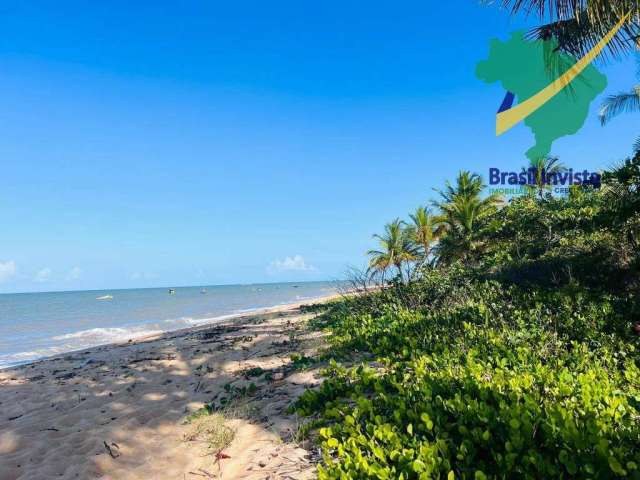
column 38, row 325
column 168, row 286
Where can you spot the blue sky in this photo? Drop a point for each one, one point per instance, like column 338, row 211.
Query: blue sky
column 186, row 143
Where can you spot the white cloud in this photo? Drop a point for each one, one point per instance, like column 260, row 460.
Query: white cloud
column 43, row 275
column 74, row 273
column 7, row 270
column 290, row 264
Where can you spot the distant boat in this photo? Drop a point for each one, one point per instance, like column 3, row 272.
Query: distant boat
column 172, row 291
column 105, row 297
column 204, row 290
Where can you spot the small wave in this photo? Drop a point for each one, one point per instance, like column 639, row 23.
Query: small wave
column 20, row 358
column 108, row 335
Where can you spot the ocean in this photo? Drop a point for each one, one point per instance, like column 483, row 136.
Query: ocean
column 38, row 325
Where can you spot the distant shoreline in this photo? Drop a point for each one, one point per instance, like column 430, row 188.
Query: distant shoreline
column 232, row 317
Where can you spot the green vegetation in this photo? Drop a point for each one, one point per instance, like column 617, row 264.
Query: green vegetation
column 506, row 345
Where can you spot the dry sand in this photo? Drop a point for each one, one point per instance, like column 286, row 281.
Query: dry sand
column 118, row 411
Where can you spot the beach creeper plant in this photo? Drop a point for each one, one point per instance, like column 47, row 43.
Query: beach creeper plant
column 461, row 393
column 514, row 359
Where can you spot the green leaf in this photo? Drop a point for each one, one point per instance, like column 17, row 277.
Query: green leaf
column 615, row 466
column 479, row 475
column 418, row 466
column 427, row 421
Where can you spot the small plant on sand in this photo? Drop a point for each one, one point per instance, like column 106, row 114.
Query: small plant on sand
column 300, row 361
column 210, row 429
column 234, row 394
column 254, row 372
column 315, row 307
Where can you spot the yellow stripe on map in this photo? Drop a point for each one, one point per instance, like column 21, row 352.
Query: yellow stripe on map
column 507, row 119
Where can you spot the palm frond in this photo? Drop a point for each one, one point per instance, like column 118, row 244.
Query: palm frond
column 578, row 25
column 622, row 102
column 576, row 37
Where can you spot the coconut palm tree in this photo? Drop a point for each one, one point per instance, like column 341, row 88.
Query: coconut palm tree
column 463, row 211
column 467, row 185
column 425, row 230
column 542, row 169
column 396, row 250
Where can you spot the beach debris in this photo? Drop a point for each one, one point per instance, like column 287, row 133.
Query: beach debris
column 203, row 473
column 112, row 449
column 216, row 331
column 168, row 356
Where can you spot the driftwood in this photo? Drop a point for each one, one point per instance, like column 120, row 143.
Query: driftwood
column 112, row 449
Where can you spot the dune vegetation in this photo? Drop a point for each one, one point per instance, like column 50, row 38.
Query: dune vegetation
column 503, row 342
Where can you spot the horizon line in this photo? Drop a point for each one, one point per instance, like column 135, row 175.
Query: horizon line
column 170, row 286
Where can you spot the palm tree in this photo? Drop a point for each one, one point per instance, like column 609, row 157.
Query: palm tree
column 467, row 185
column 463, row 212
column 396, row 250
column 425, row 230
column 544, row 167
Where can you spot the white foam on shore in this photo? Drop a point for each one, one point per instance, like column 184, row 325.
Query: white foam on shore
column 21, row 358
column 94, row 337
column 107, row 335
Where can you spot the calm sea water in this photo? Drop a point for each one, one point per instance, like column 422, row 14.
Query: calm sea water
column 37, row 325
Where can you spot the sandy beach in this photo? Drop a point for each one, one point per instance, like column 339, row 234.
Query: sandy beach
column 130, row 411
